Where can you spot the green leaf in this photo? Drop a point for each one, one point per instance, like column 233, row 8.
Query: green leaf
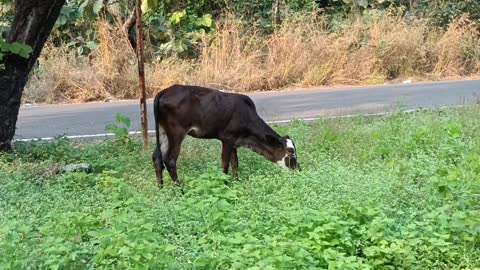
column 111, row 128
column 97, row 6
column 25, row 51
column 82, row 7
column 177, row 16
column 126, row 121
column 122, row 119
column 148, row 226
column 206, row 21
column 149, row 5
column 136, row 257
column 148, row 256
column 124, row 250
column 363, row 3
column 80, row 50
column 62, row 20
column 169, row 248
column 20, row 49
column 71, row 43
column 92, row 45
column 14, row 47
column 442, row 188
column 120, row 132
column 223, row 204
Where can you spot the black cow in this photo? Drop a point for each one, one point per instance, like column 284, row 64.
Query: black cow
column 211, row 114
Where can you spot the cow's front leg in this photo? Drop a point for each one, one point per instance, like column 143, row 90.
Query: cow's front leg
column 226, row 154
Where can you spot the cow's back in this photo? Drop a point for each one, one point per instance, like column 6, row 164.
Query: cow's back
column 204, row 111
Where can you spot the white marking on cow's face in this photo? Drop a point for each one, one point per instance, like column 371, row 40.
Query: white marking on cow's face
column 291, row 145
column 282, row 162
column 163, row 140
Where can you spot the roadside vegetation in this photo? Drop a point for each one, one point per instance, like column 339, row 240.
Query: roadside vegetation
column 394, row 192
column 253, row 45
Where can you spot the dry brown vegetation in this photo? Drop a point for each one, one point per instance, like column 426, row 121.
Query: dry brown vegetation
column 109, row 72
column 302, row 52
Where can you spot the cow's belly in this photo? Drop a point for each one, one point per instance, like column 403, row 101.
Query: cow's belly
column 202, row 134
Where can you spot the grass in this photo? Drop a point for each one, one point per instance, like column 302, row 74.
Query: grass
column 395, row 192
column 304, row 51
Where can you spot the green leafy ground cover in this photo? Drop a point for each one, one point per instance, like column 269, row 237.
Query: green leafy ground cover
column 397, row 192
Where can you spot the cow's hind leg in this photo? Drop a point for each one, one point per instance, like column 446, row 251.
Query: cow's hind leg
column 158, row 165
column 172, row 155
column 234, row 162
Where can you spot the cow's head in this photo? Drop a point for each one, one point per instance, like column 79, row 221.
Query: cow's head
column 286, row 152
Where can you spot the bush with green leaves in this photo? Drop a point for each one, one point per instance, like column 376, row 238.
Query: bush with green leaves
column 441, row 13
column 394, row 192
column 120, row 130
column 14, row 48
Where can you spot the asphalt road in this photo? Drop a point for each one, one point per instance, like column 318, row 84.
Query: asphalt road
column 91, row 118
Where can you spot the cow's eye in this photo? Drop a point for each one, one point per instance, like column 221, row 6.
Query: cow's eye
column 290, row 150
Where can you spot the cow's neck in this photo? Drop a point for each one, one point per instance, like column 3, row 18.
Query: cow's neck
column 259, row 144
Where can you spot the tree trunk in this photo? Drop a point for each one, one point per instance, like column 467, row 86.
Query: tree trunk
column 32, row 25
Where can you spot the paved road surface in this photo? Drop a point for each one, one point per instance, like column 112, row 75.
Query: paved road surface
column 86, row 119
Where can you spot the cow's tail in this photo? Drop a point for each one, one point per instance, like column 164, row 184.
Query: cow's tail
column 157, row 124
column 157, row 154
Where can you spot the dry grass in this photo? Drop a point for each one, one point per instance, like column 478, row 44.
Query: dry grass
column 301, row 52
column 114, row 62
column 397, row 48
column 232, row 60
column 62, row 76
column 457, row 51
column 165, row 73
column 109, row 72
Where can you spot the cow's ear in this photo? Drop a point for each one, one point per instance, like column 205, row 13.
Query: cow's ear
column 286, row 136
column 273, row 140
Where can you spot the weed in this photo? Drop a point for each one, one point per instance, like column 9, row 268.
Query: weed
column 400, row 191
column 120, row 130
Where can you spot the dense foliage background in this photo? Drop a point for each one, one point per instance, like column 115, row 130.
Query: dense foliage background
column 253, row 45
column 173, row 25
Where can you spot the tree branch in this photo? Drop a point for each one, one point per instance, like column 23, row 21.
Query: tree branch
column 128, row 26
column 130, row 22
